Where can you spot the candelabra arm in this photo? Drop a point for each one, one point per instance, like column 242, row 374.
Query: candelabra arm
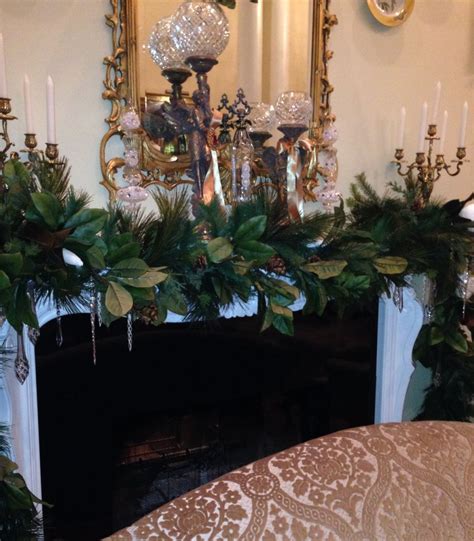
column 409, row 168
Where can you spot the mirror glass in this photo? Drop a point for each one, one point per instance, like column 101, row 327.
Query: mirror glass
column 269, row 50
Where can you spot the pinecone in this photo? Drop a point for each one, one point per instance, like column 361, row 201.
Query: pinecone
column 148, row 314
column 314, row 259
column 276, row 264
column 201, row 262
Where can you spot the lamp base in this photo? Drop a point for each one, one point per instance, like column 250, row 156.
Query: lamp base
column 259, row 138
column 201, row 64
column 292, row 131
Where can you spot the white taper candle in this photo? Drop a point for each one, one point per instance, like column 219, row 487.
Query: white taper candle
column 421, row 137
column 28, row 110
column 462, row 130
column 401, row 133
column 443, row 133
column 3, row 74
column 50, row 107
column 434, row 116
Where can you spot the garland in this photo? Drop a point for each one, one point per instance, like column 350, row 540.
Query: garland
column 55, row 248
column 150, row 264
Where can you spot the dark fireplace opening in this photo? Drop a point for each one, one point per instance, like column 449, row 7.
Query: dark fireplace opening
column 187, row 405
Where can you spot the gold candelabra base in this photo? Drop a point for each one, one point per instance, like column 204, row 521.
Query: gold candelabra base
column 427, row 167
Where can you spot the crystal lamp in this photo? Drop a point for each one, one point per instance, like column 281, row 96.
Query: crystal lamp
column 200, row 29
column 162, row 48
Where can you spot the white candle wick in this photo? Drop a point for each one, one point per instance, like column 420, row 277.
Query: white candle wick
column 421, row 137
column 434, row 116
column 443, row 133
column 28, row 110
column 462, row 131
column 50, row 107
column 3, row 71
column 401, row 133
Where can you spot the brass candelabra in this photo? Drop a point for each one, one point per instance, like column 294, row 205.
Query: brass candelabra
column 427, row 167
column 50, row 153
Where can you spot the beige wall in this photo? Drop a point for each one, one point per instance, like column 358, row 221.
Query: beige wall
column 375, row 70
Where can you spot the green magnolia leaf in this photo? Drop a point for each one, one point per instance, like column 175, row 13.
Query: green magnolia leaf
column 242, row 267
column 4, row 280
column 219, row 249
column 130, row 250
column 142, row 293
column 95, row 257
column 91, row 228
column 281, row 310
column 85, row 216
column 223, row 292
column 149, row 279
column 15, row 170
column 48, row 207
column 287, row 289
column 326, row 269
column 252, row 229
column 18, row 309
column 175, row 302
column 268, row 320
column 131, row 268
column 253, row 250
column 391, row 264
column 118, row 300
column 11, row 263
column 436, row 336
column 283, row 324
column 457, row 341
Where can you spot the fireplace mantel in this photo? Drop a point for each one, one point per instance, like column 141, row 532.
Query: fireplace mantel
column 397, row 332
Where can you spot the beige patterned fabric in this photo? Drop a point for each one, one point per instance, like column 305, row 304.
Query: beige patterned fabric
column 410, row 481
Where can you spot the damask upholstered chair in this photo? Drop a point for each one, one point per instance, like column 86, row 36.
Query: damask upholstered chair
column 410, row 481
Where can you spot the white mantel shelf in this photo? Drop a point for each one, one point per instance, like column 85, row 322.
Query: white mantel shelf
column 397, row 332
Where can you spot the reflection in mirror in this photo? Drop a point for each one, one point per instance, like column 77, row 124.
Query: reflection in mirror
column 269, row 50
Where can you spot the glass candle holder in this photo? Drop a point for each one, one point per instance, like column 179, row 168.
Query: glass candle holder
column 263, row 117
column 200, row 29
column 294, row 109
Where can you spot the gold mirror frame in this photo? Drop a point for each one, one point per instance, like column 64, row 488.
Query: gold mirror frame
column 121, row 86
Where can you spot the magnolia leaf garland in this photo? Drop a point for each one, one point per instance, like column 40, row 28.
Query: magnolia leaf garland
column 157, row 263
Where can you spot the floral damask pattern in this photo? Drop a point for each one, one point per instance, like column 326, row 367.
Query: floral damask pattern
column 405, row 481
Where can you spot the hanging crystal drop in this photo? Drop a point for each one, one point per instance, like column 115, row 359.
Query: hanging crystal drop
column 33, row 333
column 398, row 297
column 22, row 366
column 428, row 306
column 130, row 331
column 93, row 312
column 59, row 328
column 465, row 289
column 99, row 308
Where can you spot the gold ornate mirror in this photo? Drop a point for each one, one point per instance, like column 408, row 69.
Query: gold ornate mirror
column 275, row 45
